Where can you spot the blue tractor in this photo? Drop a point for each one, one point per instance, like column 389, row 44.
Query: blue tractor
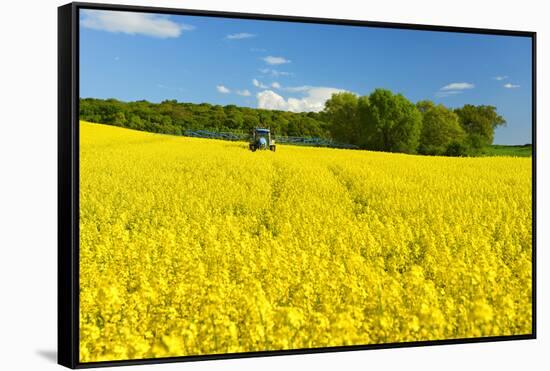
column 261, row 139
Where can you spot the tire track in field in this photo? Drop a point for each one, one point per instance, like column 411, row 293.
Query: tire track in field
column 359, row 204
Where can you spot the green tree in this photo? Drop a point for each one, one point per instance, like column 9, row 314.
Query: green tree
column 424, row 105
column 391, row 122
column 250, row 119
column 135, row 122
column 479, row 123
column 440, row 128
column 119, row 119
column 234, row 118
column 343, row 113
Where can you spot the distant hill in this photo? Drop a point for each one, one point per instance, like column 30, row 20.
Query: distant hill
column 172, row 117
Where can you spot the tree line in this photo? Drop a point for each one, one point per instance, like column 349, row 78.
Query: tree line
column 172, row 117
column 381, row 121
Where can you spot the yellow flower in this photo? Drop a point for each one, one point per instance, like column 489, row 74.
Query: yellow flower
column 193, row 246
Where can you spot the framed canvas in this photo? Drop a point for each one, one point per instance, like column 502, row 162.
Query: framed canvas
column 237, row 185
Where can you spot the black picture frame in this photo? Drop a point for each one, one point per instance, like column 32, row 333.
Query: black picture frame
column 68, row 181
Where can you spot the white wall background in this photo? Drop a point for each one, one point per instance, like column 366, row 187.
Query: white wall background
column 28, row 155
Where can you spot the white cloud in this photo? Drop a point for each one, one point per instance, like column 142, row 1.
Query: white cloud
column 268, row 99
column 275, row 60
column 443, row 94
column 458, row 86
column 510, row 86
column 453, row 88
column 225, row 90
column 275, row 85
column 133, row 23
column 258, row 84
column 240, row 36
column 500, row 78
column 222, row 89
column 274, row 72
column 244, row 93
column 313, row 101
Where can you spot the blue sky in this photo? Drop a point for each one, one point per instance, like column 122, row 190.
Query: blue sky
column 297, row 66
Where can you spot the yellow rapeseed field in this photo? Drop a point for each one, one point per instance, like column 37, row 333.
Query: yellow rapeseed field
column 194, row 246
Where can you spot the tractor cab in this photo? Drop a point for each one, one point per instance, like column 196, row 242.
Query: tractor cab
column 261, row 139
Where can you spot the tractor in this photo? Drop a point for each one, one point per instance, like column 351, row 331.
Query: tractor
column 261, row 139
